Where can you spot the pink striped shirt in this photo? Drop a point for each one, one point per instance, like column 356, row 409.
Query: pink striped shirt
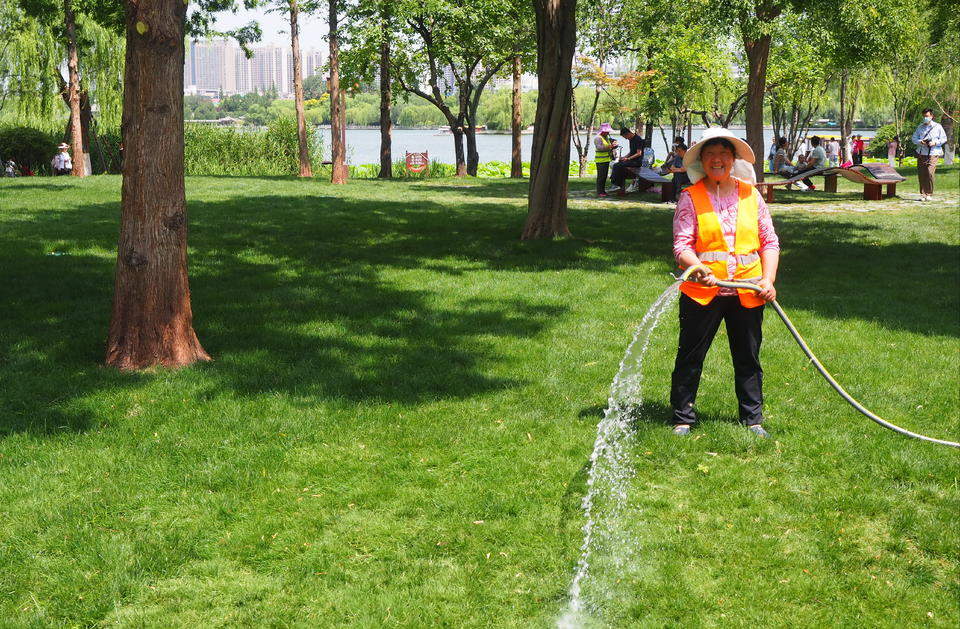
column 685, row 226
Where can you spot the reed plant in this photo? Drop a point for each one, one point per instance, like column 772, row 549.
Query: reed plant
column 229, row 151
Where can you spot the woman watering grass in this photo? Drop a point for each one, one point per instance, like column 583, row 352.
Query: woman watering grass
column 722, row 223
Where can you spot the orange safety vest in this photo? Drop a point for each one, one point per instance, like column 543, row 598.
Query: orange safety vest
column 711, row 247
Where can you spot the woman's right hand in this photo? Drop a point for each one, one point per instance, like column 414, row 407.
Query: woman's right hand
column 705, row 277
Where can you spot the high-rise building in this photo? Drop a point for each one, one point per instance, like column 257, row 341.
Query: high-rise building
column 216, row 67
column 211, row 67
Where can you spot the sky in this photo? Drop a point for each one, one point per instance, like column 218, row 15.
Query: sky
column 276, row 30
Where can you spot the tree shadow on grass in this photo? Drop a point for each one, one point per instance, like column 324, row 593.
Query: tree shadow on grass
column 56, row 313
column 299, row 294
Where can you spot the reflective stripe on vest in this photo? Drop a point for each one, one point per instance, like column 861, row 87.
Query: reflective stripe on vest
column 711, row 247
column 603, row 157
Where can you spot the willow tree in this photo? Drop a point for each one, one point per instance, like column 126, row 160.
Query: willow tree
column 41, row 38
column 550, row 158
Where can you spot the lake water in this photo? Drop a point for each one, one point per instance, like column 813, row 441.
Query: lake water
column 363, row 145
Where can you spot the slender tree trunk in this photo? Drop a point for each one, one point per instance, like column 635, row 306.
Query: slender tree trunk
column 152, row 321
column 458, row 153
column 846, row 123
column 583, row 147
column 338, row 135
column 305, row 169
column 73, row 92
column 386, row 125
column 758, row 52
column 950, row 148
column 86, row 124
column 549, row 162
column 516, row 121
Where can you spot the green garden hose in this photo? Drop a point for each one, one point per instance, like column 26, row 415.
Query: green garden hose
column 816, row 363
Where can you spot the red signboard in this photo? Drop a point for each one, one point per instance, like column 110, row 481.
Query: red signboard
column 417, row 162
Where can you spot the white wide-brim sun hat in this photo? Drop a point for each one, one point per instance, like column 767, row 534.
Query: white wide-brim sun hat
column 742, row 168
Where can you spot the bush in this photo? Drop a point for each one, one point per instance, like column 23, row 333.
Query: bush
column 210, row 150
column 28, row 147
column 878, row 144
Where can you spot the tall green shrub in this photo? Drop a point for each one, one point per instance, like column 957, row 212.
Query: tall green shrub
column 28, row 147
column 878, row 143
column 210, row 150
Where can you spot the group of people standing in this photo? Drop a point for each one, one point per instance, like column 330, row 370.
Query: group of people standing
column 640, row 154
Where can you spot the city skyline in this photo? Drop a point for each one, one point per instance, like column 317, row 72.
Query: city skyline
column 219, row 66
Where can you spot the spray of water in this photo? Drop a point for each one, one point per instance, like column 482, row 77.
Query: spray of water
column 611, row 469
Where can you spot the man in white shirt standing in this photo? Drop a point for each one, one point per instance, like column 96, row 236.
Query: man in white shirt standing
column 61, row 162
column 833, row 151
column 929, row 139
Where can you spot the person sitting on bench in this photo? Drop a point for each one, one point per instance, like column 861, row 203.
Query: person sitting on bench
column 631, row 160
column 782, row 165
column 675, row 165
column 815, row 160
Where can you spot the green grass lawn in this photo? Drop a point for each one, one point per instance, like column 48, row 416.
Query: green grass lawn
column 397, row 425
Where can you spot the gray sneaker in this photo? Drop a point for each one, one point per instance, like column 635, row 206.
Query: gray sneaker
column 681, row 429
column 758, row 430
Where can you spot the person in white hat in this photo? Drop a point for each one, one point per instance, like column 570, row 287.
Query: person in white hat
column 61, row 162
column 722, row 223
column 603, row 148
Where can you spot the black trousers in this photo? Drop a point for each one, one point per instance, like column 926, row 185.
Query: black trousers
column 698, row 326
column 602, row 170
column 618, row 176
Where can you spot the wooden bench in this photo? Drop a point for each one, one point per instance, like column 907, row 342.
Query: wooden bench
column 766, row 188
column 873, row 176
column 653, row 177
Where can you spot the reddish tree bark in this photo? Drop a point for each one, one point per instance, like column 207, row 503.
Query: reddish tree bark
column 516, row 121
column 73, row 92
column 338, row 134
column 152, row 321
column 305, row 169
column 550, row 159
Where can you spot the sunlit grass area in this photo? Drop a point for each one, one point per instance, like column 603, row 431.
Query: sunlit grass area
column 397, row 425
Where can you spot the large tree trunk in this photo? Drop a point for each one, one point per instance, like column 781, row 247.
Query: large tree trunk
column 305, row 169
column 338, row 134
column 473, row 157
column 73, row 93
column 458, row 153
column 516, row 122
column 152, row 322
column 386, row 125
column 550, row 159
column 758, row 52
